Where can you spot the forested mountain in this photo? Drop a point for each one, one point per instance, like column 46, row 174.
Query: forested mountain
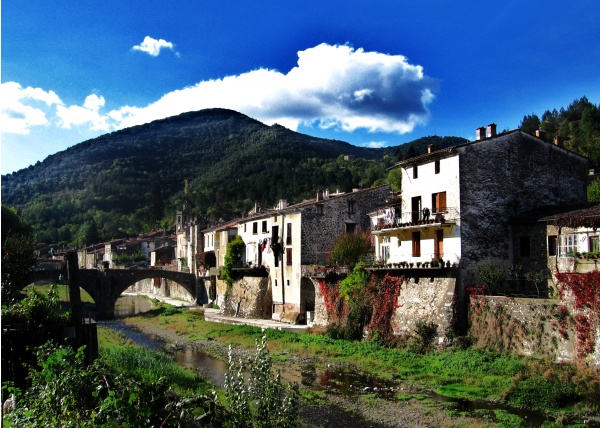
column 132, row 180
column 578, row 125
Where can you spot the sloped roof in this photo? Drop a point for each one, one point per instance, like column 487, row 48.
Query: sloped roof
column 588, row 216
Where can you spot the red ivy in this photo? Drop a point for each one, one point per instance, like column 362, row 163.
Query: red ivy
column 586, row 291
column 383, row 295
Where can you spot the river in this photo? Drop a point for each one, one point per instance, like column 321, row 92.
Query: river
column 342, row 387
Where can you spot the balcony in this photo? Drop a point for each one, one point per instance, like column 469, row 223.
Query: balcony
column 416, row 220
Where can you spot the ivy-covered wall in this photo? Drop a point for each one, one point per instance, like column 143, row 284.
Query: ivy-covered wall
column 539, row 327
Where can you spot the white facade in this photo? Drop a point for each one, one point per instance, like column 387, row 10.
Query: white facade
column 424, row 224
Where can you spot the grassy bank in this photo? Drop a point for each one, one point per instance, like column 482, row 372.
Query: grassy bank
column 460, row 373
column 146, row 365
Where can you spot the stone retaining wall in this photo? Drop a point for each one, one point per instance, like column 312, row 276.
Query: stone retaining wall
column 538, row 327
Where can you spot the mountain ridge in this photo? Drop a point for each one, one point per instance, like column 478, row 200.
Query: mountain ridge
column 223, row 159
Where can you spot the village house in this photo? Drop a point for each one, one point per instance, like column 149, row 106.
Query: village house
column 457, row 207
column 558, row 239
column 282, row 241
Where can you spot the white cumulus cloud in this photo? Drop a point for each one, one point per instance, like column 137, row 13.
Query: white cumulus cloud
column 332, row 86
column 152, row 46
column 21, row 108
column 88, row 114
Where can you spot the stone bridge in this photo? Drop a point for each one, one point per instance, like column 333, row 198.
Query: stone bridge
column 106, row 286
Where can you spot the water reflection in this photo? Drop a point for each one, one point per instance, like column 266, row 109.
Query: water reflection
column 334, row 381
column 128, row 305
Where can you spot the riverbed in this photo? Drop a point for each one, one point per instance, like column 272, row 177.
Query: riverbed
column 341, row 397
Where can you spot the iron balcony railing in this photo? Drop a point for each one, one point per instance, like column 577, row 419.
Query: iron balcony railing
column 417, row 219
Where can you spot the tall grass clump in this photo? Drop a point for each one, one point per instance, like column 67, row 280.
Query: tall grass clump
column 259, row 399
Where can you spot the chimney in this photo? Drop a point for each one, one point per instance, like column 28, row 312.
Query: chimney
column 319, row 195
column 282, row 204
column 430, row 148
column 480, row 132
column 491, row 130
column 558, row 141
column 540, row 133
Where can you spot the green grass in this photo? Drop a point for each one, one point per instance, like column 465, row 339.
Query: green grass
column 458, row 374
column 63, row 292
column 146, row 365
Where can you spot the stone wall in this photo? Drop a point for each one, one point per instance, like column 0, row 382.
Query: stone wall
column 537, row 327
column 429, row 300
column 249, row 297
column 321, row 231
column 161, row 287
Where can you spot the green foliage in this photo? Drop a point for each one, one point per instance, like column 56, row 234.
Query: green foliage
column 134, row 257
column 349, row 248
column 593, row 191
column 18, row 260
column 355, row 284
column 536, row 392
column 260, row 400
column 232, row 258
column 425, row 334
column 491, row 274
column 124, row 180
column 394, row 179
column 35, row 310
column 12, row 223
column 127, row 387
column 530, row 124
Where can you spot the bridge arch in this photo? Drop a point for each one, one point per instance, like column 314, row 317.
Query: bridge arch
column 106, row 286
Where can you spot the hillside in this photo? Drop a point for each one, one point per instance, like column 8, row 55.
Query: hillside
column 132, row 180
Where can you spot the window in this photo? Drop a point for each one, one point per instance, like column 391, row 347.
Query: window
column 244, row 227
column 275, row 283
column 288, row 234
column 351, row 207
column 350, row 227
column 524, row 246
column 595, row 243
column 437, row 166
column 568, row 244
column 288, row 256
column 287, row 282
column 438, row 202
column 384, row 249
column 552, row 245
column 255, row 228
column 416, row 244
column 264, row 226
column 319, row 208
column 415, row 172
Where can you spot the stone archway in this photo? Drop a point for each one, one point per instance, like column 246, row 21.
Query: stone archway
column 307, row 299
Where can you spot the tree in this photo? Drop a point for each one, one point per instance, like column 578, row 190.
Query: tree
column 593, row 191
column 530, row 123
column 349, row 248
column 233, row 256
column 18, row 257
column 394, row 179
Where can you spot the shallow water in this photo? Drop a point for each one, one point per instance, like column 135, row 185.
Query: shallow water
column 345, row 382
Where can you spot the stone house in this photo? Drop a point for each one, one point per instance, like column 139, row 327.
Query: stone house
column 457, row 205
column 284, row 240
column 558, row 239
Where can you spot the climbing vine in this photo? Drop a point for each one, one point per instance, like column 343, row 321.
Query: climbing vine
column 362, row 303
column 585, row 288
column 383, row 295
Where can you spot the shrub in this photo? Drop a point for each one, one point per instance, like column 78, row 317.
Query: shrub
column 261, row 400
column 233, row 256
column 349, row 248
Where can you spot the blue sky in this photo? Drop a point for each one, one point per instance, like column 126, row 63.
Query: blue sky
column 371, row 73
